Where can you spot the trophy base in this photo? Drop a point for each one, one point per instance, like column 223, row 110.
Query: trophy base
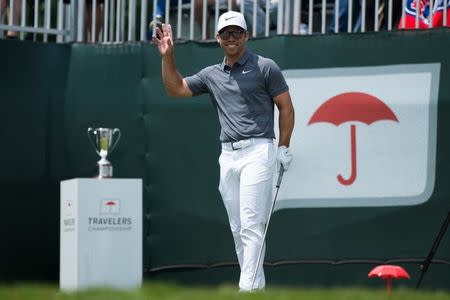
column 104, row 171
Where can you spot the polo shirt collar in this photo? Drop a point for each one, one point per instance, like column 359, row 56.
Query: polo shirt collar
column 244, row 57
column 241, row 60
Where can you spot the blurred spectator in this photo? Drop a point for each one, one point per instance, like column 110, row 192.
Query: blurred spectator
column 438, row 16
column 89, row 19
column 424, row 10
column 14, row 16
column 396, row 14
column 161, row 11
column 408, row 21
column 356, row 25
column 261, row 15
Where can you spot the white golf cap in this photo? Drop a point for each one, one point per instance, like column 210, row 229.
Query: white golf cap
column 231, row 18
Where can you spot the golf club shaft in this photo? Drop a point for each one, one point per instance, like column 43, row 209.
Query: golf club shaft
column 280, row 177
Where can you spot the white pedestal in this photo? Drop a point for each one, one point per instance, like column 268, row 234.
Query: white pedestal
column 101, row 233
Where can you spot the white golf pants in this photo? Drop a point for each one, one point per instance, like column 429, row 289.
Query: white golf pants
column 246, row 188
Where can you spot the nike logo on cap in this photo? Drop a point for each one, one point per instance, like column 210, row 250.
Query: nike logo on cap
column 226, row 19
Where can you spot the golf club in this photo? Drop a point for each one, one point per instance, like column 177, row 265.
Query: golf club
column 280, row 177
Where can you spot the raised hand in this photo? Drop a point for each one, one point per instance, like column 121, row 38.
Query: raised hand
column 163, row 39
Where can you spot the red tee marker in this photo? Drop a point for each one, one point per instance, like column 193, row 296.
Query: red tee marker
column 389, row 272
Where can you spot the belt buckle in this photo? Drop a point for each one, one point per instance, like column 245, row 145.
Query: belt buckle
column 242, row 144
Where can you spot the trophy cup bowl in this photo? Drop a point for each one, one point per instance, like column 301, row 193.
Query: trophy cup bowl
column 104, row 140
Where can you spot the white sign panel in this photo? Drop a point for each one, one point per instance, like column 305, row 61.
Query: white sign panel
column 363, row 136
column 101, row 233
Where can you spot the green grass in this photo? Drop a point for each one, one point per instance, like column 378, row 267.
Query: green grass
column 155, row 291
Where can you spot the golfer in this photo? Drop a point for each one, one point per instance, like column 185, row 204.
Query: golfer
column 243, row 88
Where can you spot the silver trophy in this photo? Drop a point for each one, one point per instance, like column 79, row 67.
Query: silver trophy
column 102, row 141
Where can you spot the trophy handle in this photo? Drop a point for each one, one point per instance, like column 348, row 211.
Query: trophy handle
column 116, row 130
column 91, row 131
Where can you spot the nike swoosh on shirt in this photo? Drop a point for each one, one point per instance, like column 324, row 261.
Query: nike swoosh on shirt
column 245, row 72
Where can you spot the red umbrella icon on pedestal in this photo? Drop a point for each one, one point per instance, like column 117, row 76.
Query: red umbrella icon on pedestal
column 353, row 106
column 389, row 272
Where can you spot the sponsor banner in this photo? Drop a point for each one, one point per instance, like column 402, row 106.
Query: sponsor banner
column 363, row 136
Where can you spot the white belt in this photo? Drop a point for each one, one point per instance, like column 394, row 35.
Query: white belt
column 242, row 144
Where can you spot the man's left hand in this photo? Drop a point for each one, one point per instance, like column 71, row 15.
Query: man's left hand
column 284, row 157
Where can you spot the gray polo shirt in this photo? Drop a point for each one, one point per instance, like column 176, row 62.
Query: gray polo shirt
column 242, row 95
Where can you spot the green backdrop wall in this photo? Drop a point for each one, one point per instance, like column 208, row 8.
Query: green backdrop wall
column 50, row 94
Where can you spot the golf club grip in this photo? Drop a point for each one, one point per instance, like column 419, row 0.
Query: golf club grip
column 280, row 177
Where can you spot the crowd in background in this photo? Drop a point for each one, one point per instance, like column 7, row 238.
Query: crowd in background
column 411, row 16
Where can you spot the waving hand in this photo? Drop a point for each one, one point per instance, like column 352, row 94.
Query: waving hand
column 163, row 39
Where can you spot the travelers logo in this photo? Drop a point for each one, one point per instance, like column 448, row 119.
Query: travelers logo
column 352, row 107
column 110, row 207
column 363, row 136
column 110, row 218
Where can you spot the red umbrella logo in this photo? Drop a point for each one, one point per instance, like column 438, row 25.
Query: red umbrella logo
column 110, row 206
column 352, row 107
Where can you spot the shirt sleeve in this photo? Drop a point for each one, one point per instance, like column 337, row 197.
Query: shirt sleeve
column 275, row 82
column 197, row 82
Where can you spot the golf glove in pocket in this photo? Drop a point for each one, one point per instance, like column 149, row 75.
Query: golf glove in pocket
column 284, row 157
